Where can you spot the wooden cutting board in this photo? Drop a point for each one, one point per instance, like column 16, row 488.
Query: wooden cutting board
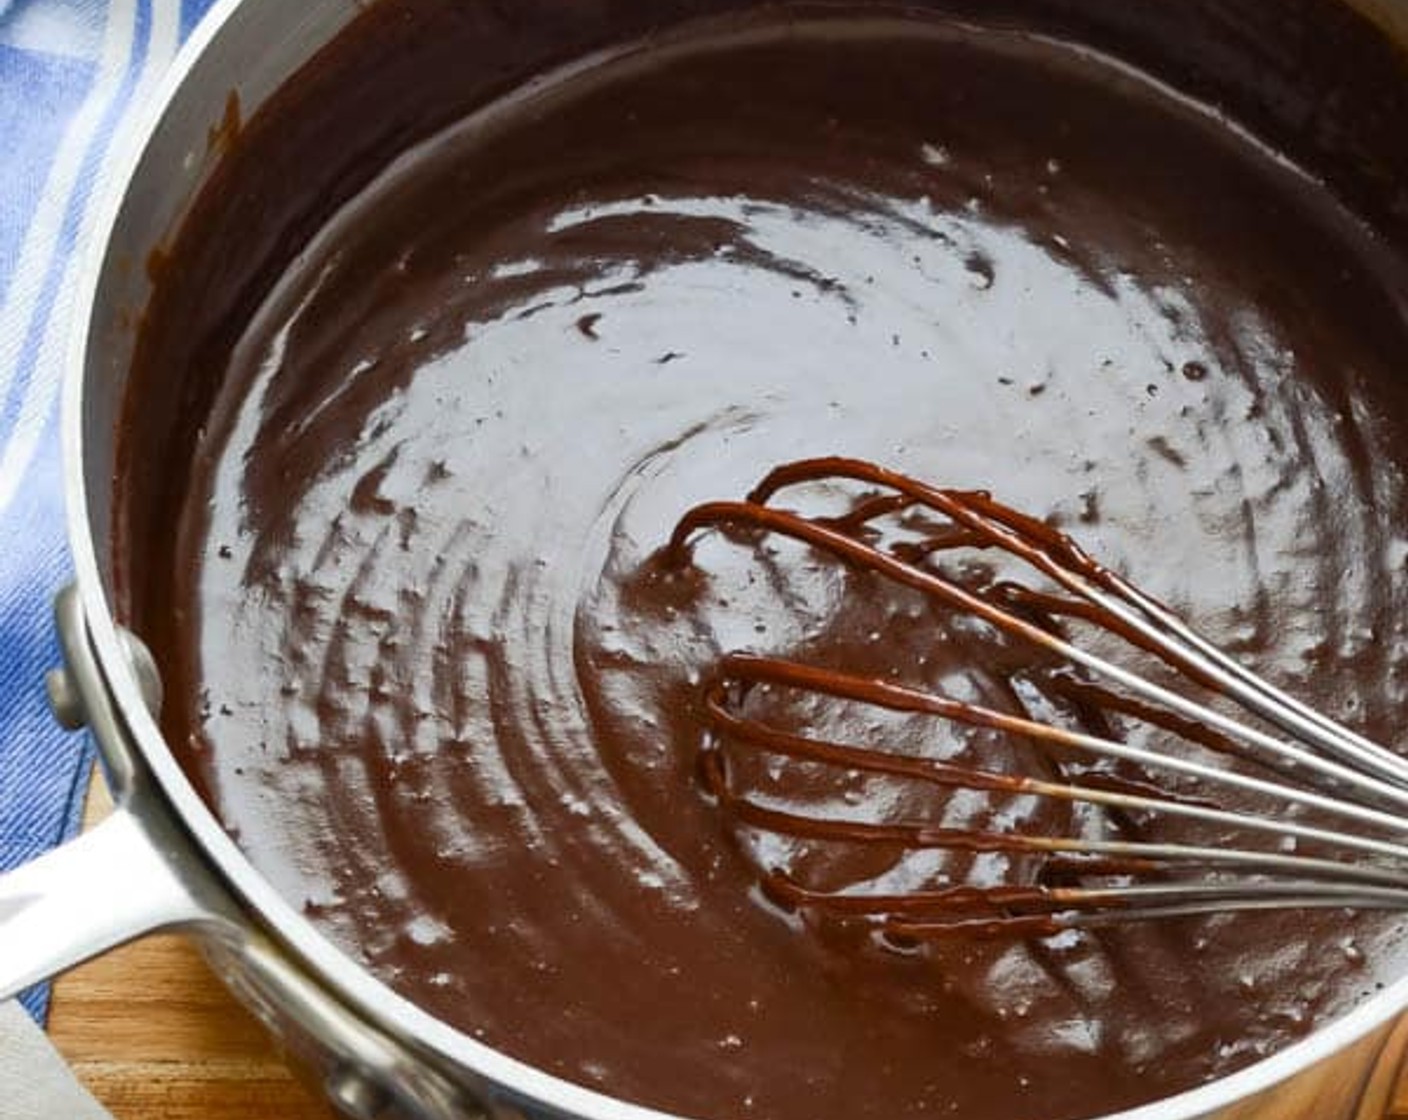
column 155, row 1036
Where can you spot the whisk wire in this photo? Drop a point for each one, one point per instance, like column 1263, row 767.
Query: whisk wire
column 1164, row 633
column 1346, row 869
column 896, row 697
column 1050, row 909
column 827, row 537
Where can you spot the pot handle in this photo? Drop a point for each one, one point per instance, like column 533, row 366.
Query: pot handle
column 107, row 887
column 132, row 874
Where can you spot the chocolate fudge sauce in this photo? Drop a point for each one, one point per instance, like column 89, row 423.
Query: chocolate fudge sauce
column 441, row 404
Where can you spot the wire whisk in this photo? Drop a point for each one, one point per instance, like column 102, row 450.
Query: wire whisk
column 1338, row 801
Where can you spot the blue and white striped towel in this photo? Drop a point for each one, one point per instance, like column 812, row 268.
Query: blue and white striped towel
column 71, row 72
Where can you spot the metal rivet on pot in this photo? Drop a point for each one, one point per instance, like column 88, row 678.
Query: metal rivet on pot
column 354, row 1094
column 143, row 665
column 64, row 700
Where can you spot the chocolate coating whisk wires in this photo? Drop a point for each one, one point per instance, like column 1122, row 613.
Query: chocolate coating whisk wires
column 1294, row 759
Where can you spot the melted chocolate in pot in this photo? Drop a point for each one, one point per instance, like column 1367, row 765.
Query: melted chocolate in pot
column 442, row 693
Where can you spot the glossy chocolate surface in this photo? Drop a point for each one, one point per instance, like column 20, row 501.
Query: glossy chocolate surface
column 422, row 657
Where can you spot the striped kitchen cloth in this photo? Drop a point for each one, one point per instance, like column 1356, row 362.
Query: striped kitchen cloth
column 71, row 73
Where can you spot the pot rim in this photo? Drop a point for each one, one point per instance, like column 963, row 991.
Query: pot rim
column 329, row 964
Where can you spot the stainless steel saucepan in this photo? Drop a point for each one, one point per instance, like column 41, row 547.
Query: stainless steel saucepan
column 162, row 860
